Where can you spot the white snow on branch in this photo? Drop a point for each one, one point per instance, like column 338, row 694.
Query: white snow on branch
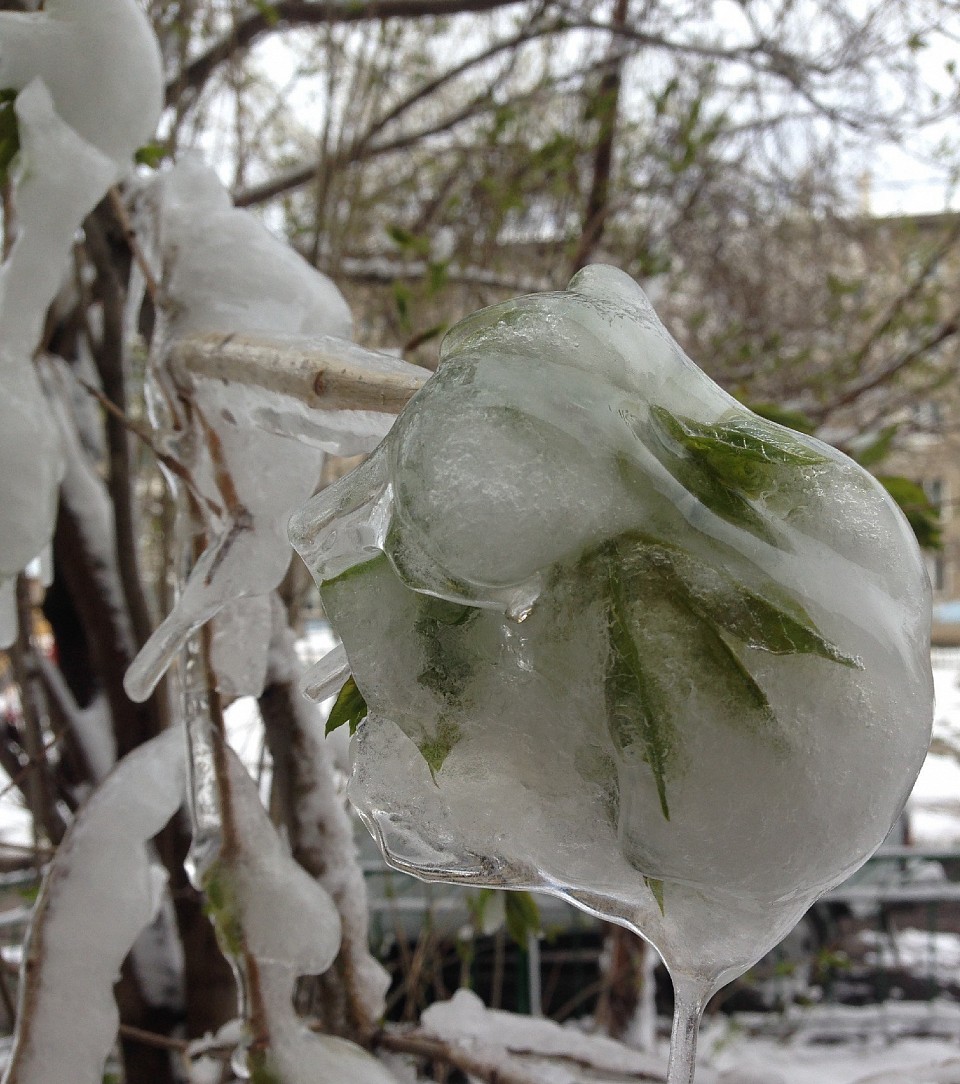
column 521, row 1047
column 325, row 839
column 101, row 891
column 89, row 85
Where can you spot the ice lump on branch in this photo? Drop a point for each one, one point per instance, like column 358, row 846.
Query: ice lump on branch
column 88, row 91
column 251, row 454
column 586, row 597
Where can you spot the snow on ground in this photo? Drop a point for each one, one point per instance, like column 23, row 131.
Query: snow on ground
column 934, row 805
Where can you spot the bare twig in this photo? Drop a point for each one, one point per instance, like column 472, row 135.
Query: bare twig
column 142, row 433
column 130, row 236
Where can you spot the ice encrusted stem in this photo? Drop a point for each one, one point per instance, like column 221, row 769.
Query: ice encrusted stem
column 327, row 374
column 690, row 995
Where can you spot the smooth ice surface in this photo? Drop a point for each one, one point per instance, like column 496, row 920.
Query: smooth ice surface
column 291, row 927
column 618, row 637
column 100, row 61
column 51, row 201
column 77, row 136
column 104, row 883
column 253, row 455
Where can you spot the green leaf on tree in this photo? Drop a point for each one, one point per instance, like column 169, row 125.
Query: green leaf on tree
column 350, row 707
column 151, row 154
column 663, row 602
column 636, row 712
column 768, row 621
column 744, row 452
column 922, row 514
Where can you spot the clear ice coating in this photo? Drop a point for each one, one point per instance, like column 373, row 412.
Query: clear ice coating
column 619, row 638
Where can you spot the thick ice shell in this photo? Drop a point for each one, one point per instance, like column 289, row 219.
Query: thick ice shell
column 224, row 272
column 51, row 201
column 100, row 61
column 620, row 638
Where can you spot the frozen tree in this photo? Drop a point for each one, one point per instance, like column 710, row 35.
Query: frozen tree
column 177, row 381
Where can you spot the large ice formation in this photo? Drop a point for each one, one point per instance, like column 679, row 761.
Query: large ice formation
column 619, row 638
column 253, row 455
column 89, row 92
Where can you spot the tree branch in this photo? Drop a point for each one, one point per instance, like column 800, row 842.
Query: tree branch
column 330, row 374
column 291, row 13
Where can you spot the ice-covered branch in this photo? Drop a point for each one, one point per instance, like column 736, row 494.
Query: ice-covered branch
column 325, row 373
column 104, row 883
column 321, row 833
column 505, row 1048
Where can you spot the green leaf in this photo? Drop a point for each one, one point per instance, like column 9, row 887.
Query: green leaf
column 437, row 274
column 401, row 299
column 744, row 452
column 9, row 133
column 877, row 449
column 922, row 514
column 636, row 711
column 269, row 12
column 712, row 493
column 522, row 916
column 789, row 419
column 448, row 667
column 151, row 154
column 766, row 621
column 435, row 750
column 349, row 707
column 662, row 602
column 656, row 887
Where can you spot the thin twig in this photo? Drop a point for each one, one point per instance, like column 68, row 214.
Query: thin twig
column 130, row 236
column 143, row 434
column 152, row 1038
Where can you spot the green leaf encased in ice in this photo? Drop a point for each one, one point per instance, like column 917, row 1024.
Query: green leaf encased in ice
column 659, row 601
column 349, row 707
column 635, row 711
column 435, row 750
column 9, row 132
column 656, row 887
column 744, row 452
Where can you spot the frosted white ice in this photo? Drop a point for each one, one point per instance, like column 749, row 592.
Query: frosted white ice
column 224, row 272
column 292, row 928
column 59, row 179
column 100, row 61
column 619, row 638
column 90, row 92
column 103, row 883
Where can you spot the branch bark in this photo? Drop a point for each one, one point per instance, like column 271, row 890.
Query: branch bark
column 290, row 13
column 328, row 374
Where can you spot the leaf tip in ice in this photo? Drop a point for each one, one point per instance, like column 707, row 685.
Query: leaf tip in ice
column 656, row 887
column 350, row 707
